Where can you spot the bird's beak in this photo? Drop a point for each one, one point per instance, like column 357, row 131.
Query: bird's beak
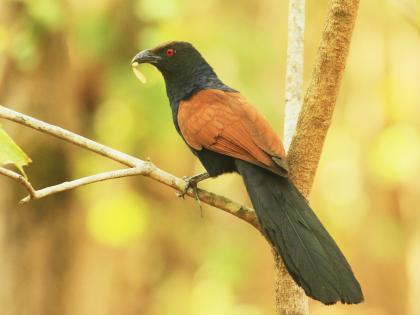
column 145, row 56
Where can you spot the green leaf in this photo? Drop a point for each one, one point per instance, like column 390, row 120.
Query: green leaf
column 10, row 153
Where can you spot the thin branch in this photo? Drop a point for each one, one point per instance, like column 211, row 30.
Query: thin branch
column 20, row 179
column 69, row 136
column 294, row 68
column 290, row 298
column 38, row 194
column 245, row 213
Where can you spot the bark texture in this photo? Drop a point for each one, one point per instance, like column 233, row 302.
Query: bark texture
column 313, row 123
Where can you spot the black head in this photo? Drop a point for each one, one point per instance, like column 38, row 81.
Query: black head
column 171, row 58
column 184, row 69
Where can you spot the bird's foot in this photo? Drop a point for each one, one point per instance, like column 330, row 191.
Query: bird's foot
column 192, row 183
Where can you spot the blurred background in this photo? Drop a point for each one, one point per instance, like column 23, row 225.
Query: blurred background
column 129, row 246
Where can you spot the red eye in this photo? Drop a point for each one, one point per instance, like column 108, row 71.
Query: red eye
column 170, row 52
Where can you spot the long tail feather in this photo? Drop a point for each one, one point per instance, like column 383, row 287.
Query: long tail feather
column 310, row 254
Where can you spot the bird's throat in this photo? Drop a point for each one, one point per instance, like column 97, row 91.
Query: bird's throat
column 185, row 83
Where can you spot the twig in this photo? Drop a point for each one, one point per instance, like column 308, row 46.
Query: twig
column 20, row 179
column 245, row 213
column 294, row 68
column 69, row 136
column 38, row 194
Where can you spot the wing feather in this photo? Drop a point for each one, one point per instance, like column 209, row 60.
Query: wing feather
column 225, row 123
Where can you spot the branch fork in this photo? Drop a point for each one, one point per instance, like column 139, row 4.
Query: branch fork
column 136, row 167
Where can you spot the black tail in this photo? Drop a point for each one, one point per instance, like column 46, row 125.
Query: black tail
column 310, row 254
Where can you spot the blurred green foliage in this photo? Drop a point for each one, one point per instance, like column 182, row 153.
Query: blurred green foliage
column 118, row 219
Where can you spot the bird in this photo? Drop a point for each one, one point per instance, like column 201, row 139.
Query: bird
column 228, row 135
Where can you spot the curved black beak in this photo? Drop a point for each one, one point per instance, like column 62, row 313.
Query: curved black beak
column 145, row 56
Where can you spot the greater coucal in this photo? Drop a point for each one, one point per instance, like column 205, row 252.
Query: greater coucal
column 228, row 135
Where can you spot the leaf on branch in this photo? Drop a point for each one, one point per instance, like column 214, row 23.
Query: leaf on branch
column 11, row 153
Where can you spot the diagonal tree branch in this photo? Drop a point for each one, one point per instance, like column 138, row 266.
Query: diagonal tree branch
column 63, row 134
column 137, row 165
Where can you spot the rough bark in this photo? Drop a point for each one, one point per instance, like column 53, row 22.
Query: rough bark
column 313, row 123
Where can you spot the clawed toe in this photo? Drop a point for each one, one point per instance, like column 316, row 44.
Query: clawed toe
column 191, row 183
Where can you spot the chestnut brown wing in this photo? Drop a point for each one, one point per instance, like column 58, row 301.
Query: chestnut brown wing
column 224, row 122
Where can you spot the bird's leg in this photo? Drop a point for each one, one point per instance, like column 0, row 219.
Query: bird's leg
column 192, row 182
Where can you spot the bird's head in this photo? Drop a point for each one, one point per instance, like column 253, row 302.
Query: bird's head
column 173, row 59
column 184, row 69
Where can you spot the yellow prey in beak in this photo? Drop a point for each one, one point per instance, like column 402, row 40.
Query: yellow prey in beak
column 138, row 73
